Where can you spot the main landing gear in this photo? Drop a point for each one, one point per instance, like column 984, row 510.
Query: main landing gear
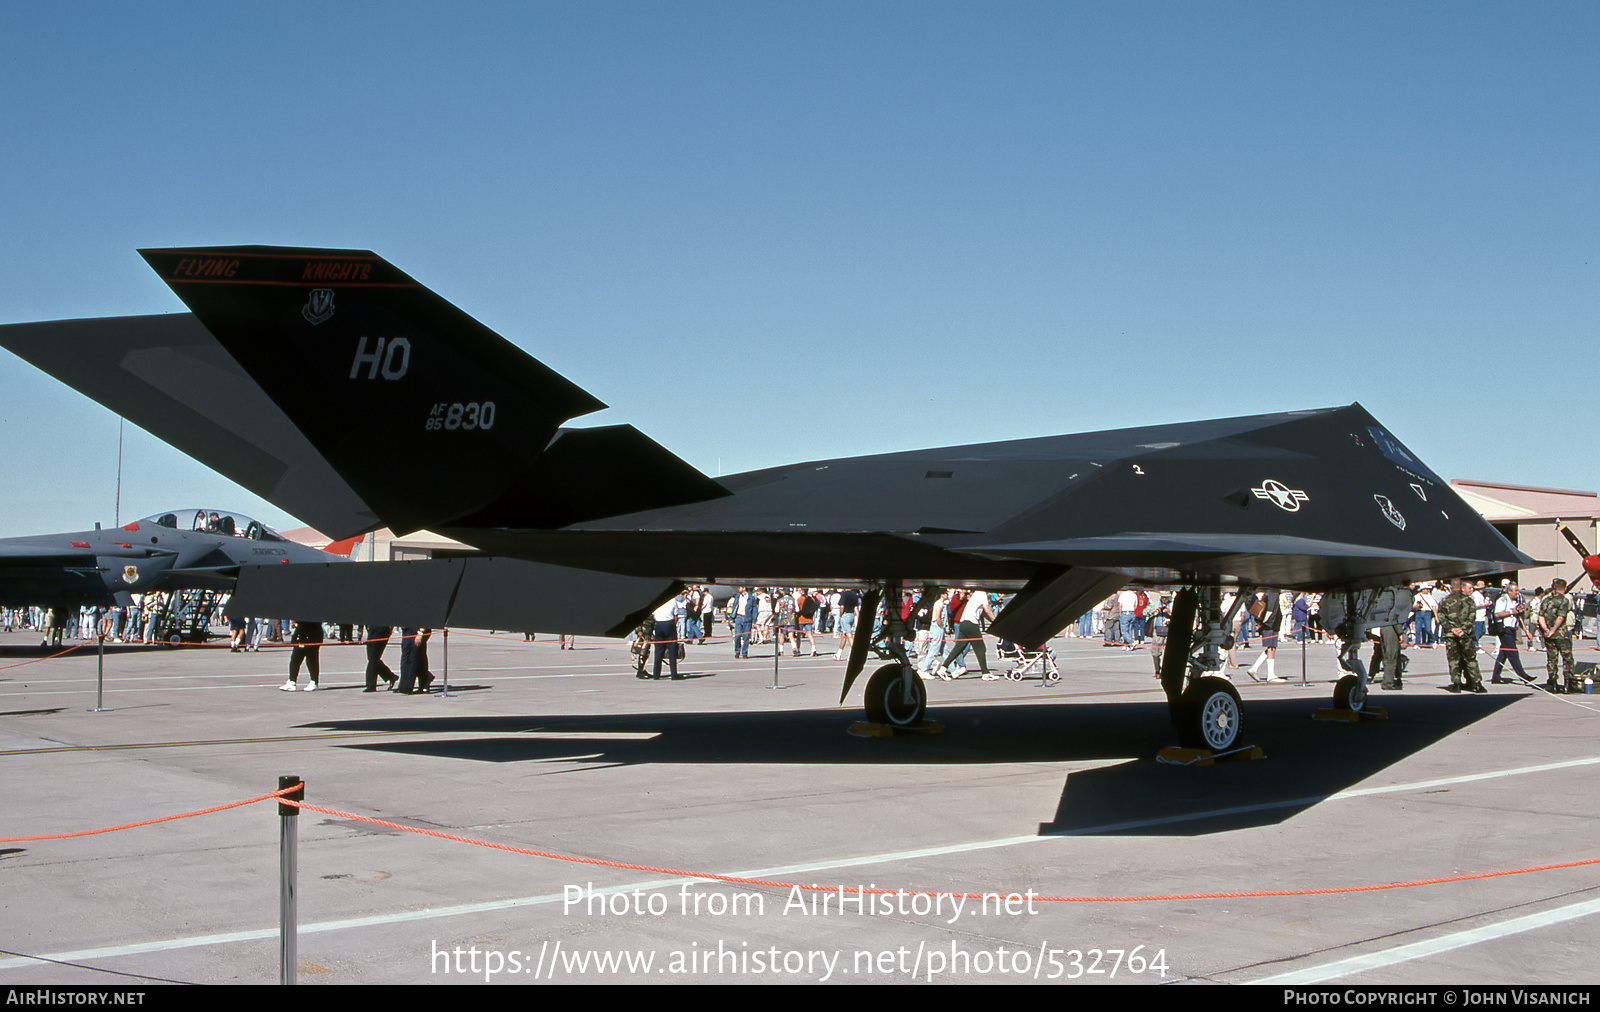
column 1350, row 693
column 1352, row 614
column 1206, row 710
column 895, row 697
column 1210, row 715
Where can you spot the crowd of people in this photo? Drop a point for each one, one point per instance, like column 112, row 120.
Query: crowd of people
column 415, row 677
column 157, row 617
column 1457, row 616
column 1549, row 618
column 147, row 618
column 941, row 629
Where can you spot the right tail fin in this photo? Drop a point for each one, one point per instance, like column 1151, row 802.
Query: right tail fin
column 428, row 415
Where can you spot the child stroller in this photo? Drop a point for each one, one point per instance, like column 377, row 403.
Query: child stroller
column 1041, row 662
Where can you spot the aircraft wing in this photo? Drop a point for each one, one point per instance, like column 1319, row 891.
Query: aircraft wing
column 41, row 574
column 12, row 552
column 53, row 572
column 38, row 554
column 1262, row 560
column 476, row 592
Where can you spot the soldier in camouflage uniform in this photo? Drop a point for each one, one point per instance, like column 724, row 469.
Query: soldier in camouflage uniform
column 1555, row 621
column 1456, row 615
column 1386, row 657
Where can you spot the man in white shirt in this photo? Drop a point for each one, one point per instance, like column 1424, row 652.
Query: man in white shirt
column 1508, row 612
column 1426, row 609
column 666, row 635
column 1480, row 618
column 1128, row 602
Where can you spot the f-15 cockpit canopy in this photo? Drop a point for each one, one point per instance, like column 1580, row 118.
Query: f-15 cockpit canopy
column 215, row 522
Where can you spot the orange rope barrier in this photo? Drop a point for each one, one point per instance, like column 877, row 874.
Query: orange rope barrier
column 47, row 657
column 773, row 884
column 146, row 822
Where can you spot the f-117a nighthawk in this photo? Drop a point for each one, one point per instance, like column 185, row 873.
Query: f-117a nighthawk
column 348, row 365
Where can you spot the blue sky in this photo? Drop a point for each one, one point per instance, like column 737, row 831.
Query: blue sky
column 768, row 232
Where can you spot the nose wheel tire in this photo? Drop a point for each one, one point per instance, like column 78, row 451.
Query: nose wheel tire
column 1350, row 693
column 886, row 701
column 1213, row 716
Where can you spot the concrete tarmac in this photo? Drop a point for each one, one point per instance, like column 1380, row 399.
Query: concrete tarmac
column 1032, row 791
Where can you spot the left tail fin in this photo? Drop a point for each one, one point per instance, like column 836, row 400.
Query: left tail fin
column 430, row 416
column 168, row 375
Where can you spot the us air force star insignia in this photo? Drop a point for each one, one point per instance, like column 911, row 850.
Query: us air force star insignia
column 130, row 574
column 319, row 306
column 1389, row 512
column 1280, row 495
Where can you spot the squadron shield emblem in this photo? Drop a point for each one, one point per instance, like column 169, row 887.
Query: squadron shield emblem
column 1390, row 514
column 319, row 306
column 130, row 574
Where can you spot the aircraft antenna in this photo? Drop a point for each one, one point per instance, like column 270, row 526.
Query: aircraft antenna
column 116, row 513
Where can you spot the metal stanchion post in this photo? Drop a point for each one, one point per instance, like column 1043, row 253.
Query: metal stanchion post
column 1303, row 634
column 100, row 680
column 777, row 651
column 288, row 913
column 446, row 691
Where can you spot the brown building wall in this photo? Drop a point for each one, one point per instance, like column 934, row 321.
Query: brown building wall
column 1541, row 540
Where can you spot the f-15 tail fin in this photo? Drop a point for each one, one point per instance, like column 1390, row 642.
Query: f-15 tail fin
column 431, row 417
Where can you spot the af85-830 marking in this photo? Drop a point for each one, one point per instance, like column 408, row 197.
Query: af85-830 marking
column 478, row 415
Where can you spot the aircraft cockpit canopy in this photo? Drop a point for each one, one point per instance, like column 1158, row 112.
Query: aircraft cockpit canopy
column 215, row 522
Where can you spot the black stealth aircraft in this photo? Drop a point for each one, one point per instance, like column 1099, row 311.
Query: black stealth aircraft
column 370, row 366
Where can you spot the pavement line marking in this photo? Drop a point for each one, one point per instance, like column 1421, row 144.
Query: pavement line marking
column 486, row 906
column 1361, row 792
column 585, row 735
column 208, row 680
column 529, row 734
column 257, row 686
column 564, row 671
column 1433, row 947
column 187, row 744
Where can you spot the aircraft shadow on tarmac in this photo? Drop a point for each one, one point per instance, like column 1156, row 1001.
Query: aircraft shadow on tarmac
column 88, row 648
column 1307, row 760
